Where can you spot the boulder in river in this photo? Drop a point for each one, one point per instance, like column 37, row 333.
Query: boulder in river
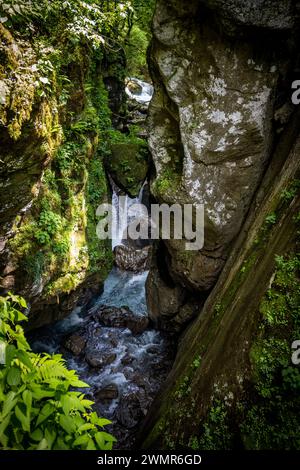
column 134, row 87
column 108, row 393
column 75, row 344
column 130, row 259
column 129, row 411
column 122, row 317
column 99, row 358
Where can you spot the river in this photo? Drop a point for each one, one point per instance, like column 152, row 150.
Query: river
column 112, row 344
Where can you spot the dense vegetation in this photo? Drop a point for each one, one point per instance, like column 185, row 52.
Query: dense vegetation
column 39, row 408
column 72, row 48
column 56, row 59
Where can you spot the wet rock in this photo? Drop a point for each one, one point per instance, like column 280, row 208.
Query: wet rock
column 122, row 318
column 113, row 338
column 127, row 359
column 100, row 359
column 129, row 411
column 75, row 344
column 164, row 298
column 130, row 259
column 134, row 87
column 108, row 393
column 153, row 350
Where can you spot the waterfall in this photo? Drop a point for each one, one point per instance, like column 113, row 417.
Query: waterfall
column 126, row 210
column 145, row 96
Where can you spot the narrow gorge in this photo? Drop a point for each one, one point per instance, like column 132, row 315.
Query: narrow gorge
column 135, row 104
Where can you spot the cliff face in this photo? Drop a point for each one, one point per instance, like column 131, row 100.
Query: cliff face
column 54, row 112
column 219, row 103
column 223, row 133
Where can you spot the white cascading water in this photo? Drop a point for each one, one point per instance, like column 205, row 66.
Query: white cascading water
column 124, row 213
column 146, row 91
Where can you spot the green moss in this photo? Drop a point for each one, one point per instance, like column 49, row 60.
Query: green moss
column 183, row 388
column 128, row 165
column 167, row 181
column 63, row 285
column 196, row 362
column 215, row 433
column 270, row 419
column 291, row 191
column 61, row 227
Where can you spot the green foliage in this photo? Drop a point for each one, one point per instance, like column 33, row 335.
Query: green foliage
column 139, row 36
column 136, row 52
column 48, row 225
column 197, row 362
column 271, row 219
column 184, row 387
column 100, row 256
column 270, row 427
column 117, row 137
column 269, row 355
column 69, row 158
column 215, row 432
column 98, row 22
column 61, row 247
column 280, row 307
column 270, row 421
column 166, row 181
column 39, row 408
column 290, row 192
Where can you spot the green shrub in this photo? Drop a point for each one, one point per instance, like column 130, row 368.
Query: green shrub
column 38, row 410
column 136, row 52
column 48, row 225
column 61, row 247
column 270, row 419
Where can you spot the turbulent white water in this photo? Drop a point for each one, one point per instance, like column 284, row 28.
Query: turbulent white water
column 125, row 211
column 146, row 91
column 145, row 351
column 125, row 288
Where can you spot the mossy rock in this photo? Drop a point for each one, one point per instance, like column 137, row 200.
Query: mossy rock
column 128, row 166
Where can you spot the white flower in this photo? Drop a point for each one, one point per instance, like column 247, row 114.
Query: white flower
column 44, row 80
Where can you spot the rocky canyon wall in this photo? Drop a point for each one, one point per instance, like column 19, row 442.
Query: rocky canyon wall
column 55, row 109
column 220, row 103
column 224, row 133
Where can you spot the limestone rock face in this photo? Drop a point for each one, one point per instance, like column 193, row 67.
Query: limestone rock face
column 216, row 352
column 271, row 14
column 211, row 119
